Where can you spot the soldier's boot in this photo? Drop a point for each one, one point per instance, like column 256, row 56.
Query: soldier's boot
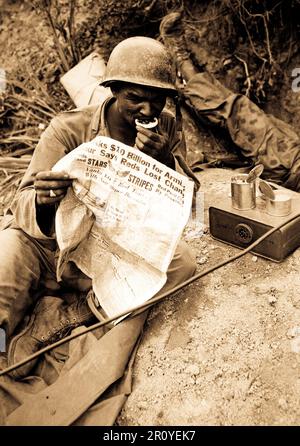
column 52, row 319
column 173, row 37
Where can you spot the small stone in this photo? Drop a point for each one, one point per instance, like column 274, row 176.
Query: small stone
column 293, row 332
column 282, row 403
column 218, row 374
column 229, row 395
column 254, row 258
column 142, row 405
column 295, row 345
column 202, row 260
column 272, row 300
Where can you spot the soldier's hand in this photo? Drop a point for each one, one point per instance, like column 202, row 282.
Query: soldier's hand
column 153, row 144
column 51, row 187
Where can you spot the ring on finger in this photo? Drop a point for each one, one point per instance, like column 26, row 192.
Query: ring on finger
column 52, row 193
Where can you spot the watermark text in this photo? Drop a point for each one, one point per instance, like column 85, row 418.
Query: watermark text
column 2, row 340
column 296, row 80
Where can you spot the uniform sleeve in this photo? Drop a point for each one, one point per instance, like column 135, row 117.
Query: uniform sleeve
column 260, row 137
column 49, row 150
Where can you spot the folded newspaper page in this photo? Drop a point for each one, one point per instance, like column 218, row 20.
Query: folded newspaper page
column 121, row 220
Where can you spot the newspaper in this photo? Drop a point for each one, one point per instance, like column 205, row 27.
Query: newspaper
column 121, row 220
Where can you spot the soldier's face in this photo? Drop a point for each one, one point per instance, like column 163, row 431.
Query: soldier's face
column 137, row 102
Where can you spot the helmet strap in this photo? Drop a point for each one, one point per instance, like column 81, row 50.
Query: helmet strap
column 178, row 114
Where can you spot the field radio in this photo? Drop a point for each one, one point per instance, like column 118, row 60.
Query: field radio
column 243, row 217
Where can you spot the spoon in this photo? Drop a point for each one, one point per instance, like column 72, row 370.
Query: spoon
column 255, row 173
column 266, row 189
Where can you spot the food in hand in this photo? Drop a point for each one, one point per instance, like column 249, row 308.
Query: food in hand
column 150, row 123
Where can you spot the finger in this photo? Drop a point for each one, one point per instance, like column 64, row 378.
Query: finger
column 47, row 193
column 57, row 184
column 141, row 129
column 48, row 200
column 148, row 141
column 147, row 132
column 146, row 149
column 154, row 140
column 139, row 144
column 142, row 138
column 43, row 197
column 58, row 192
column 50, row 175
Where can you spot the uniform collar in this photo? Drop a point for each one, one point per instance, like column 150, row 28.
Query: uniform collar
column 99, row 124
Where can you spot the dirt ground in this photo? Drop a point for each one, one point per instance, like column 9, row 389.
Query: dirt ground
column 226, row 350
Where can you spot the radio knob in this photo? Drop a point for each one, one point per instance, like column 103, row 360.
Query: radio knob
column 243, row 233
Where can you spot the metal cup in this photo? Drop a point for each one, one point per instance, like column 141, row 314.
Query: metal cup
column 243, row 194
column 281, row 205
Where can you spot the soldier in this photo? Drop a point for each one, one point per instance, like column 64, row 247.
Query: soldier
column 141, row 75
column 257, row 137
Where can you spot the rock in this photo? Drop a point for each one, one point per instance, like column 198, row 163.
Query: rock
column 254, row 258
column 282, row 403
column 295, row 345
column 293, row 332
column 295, row 298
column 229, row 395
column 272, row 300
column 201, row 260
column 193, row 369
column 218, row 374
column 142, row 405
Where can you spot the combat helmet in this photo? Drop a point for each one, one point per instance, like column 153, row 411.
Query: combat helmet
column 143, row 61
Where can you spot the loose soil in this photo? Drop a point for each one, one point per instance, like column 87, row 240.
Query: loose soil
column 224, row 351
